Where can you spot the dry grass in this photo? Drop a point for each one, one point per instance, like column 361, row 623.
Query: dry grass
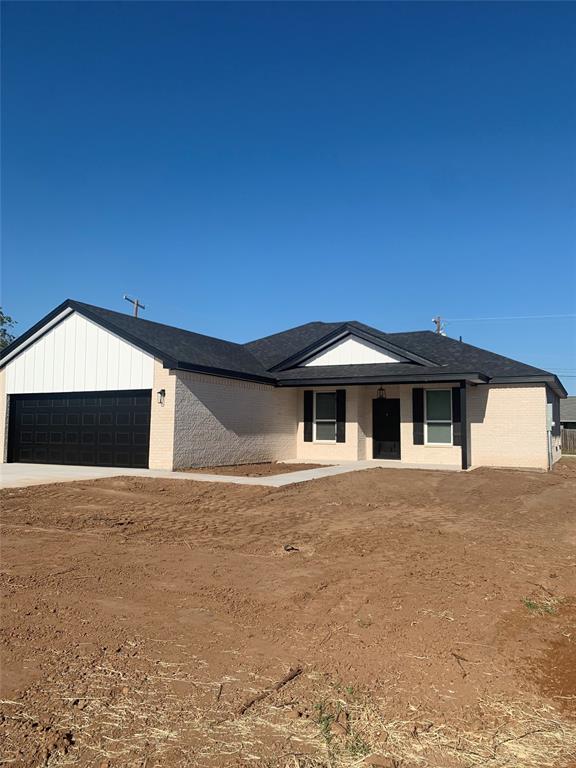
column 542, row 605
column 154, row 721
column 519, row 734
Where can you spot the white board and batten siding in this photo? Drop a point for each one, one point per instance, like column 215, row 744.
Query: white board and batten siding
column 78, row 355
column 353, row 351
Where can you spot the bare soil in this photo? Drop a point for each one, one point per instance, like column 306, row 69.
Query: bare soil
column 418, row 620
column 254, row 470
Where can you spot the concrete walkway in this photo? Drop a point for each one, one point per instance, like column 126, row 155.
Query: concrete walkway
column 23, row 475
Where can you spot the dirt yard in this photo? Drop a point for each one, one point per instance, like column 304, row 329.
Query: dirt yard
column 427, row 620
column 255, row 470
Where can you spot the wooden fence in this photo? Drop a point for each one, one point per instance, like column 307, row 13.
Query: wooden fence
column 568, row 440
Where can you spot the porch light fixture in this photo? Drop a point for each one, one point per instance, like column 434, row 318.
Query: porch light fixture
column 381, row 393
column 161, row 395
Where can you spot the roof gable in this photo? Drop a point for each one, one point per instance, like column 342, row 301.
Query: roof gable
column 352, row 350
column 333, row 333
column 77, row 354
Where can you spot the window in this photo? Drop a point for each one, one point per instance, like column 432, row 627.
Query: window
column 325, row 417
column 438, row 416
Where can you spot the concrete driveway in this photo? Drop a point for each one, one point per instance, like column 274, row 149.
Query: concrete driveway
column 23, row 475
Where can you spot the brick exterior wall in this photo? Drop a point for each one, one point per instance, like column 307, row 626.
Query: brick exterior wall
column 507, row 428
column 221, row 421
column 162, row 419
column 508, row 425
column 358, row 443
column 207, row 421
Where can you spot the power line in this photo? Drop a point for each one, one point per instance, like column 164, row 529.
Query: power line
column 514, row 317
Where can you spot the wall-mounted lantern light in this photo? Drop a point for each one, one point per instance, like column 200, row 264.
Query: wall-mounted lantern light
column 161, row 395
column 381, row 392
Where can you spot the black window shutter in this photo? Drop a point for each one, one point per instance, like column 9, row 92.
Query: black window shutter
column 456, row 417
column 308, row 415
column 418, row 416
column 340, row 415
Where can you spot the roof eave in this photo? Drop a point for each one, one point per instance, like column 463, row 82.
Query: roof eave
column 224, row 373
column 474, row 377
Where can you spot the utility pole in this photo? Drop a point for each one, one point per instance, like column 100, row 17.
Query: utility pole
column 136, row 303
column 439, row 323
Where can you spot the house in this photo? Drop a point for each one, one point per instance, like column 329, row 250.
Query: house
column 568, row 413
column 568, row 425
column 86, row 385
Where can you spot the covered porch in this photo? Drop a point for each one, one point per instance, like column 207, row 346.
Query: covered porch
column 424, row 424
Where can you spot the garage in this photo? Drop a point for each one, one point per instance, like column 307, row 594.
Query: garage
column 78, row 390
column 109, row 429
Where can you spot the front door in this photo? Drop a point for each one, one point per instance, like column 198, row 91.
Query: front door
column 386, row 428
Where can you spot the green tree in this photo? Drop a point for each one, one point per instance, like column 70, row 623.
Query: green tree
column 6, row 323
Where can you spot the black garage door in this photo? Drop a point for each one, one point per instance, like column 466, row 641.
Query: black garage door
column 108, row 429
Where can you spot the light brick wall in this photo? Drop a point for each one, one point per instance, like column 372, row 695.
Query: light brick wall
column 221, row 421
column 162, row 419
column 358, row 443
column 508, row 425
column 349, row 450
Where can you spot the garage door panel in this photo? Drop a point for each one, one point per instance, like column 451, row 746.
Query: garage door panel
column 90, row 428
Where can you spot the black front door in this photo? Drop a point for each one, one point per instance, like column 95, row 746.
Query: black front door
column 108, row 429
column 386, row 428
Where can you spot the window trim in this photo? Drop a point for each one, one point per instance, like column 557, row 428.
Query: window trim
column 324, row 421
column 438, row 421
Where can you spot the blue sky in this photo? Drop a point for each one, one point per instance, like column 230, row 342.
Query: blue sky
column 247, row 167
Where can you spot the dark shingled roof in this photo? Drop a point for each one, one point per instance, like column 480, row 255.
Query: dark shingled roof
column 273, row 350
column 175, row 347
column 453, row 353
column 277, row 359
column 440, row 351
